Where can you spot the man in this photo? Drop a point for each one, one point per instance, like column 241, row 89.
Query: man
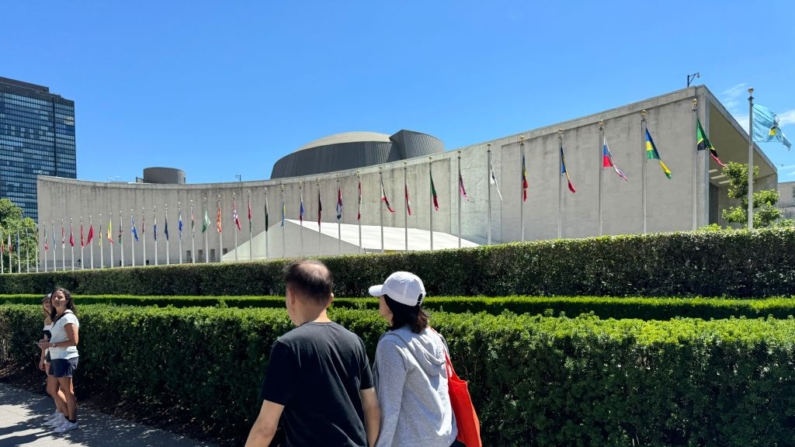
column 318, row 376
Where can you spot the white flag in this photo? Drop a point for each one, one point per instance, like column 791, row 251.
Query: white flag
column 493, row 181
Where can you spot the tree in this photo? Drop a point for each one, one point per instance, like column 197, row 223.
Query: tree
column 12, row 224
column 765, row 211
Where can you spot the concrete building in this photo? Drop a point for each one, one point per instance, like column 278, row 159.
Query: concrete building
column 37, row 137
column 691, row 199
column 786, row 200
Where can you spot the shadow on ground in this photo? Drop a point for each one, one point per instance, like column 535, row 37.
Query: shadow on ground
column 22, row 415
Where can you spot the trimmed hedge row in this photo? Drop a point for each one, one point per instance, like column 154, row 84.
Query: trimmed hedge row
column 534, row 380
column 619, row 308
column 752, row 264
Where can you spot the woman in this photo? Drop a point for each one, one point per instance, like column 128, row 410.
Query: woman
column 44, row 361
column 63, row 354
column 410, row 374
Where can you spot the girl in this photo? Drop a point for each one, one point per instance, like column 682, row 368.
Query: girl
column 44, row 361
column 63, row 354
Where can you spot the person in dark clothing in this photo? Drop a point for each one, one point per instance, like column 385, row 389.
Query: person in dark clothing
column 318, row 379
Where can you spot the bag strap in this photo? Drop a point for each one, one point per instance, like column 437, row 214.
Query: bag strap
column 448, row 363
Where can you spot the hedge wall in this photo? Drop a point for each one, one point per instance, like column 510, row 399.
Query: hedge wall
column 640, row 308
column 535, row 380
column 726, row 263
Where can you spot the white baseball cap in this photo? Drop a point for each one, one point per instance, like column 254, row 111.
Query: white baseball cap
column 404, row 287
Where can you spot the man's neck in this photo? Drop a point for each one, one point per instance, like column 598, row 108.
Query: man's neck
column 315, row 317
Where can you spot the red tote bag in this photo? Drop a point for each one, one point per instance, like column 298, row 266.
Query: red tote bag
column 465, row 416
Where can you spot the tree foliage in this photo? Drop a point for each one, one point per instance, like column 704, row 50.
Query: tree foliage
column 766, row 213
column 18, row 238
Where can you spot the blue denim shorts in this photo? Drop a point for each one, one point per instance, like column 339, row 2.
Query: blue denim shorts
column 63, row 367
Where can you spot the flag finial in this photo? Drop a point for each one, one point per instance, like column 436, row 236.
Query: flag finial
column 643, row 113
column 695, row 103
column 601, row 124
column 751, row 91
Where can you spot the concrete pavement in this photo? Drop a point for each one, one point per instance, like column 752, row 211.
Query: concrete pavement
column 22, row 415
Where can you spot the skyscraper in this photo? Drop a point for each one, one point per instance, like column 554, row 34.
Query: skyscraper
column 37, row 137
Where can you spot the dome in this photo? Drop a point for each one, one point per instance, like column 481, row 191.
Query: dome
column 347, row 137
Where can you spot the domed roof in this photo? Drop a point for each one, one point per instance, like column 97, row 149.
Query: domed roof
column 348, row 137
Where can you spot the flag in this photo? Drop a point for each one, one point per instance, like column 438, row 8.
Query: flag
column 301, row 210
column 154, row 228
column 284, row 211
column 461, row 189
column 705, row 144
column 384, row 198
column 408, row 203
column 249, row 214
column 319, row 208
column 121, row 230
column 218, row 219
column 359, row 213
column 563, row 170
column 133, row 229
column 143, row 225
column 179, row 224
column 192, row 219
column 71, row 235
column 63, row 236
column 235, row 217
column 525, row 183
column 100, row 234
column 493, row 180
column 46, row 246
column 82, row 239
column 339, row 203
column 52, row 229
column 652, row 154
column 90, row 234
column 434, row 197
column 766, row 126
column 206, row 221
column 607, row 160
column 165, row 226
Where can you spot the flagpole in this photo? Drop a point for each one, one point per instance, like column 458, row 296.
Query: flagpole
column 206, row 235
column 750, row 158
column 19, row 255
column 165, row 232
column 600, row 143
column 71, row 238
column 234, row 224
column 319, row 218
column 560, row 183
column 82, row 247
column 284, row 229
column 2, row 255
column 459, row 199
column 250, row 241
column 132, row 237
column 381, row 206
column 430, row 173
column 488, row 193
column 521, row 188
column 406, row 208
column 154, row 232
column 179, row 230
column 37, row 249
column 301, row 216
column 143, row 234
column 643, row 142
column 90, row 226
column 63, row 249
column 101, row 251
column 267, row 222
column 359, row 205
column 339, row 219
column 192, row 234
column 695, row 166
column 10, row 261
column 121, row 242
column 27, row 252
column 220, row 233
column 54, row 262
column 44, row 223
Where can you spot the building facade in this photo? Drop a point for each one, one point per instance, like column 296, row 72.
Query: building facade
column 37, row 137
column 604, row 203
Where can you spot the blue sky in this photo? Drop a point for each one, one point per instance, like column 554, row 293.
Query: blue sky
column 221, row 89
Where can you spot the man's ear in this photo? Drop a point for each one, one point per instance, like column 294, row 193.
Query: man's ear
column 331, row 300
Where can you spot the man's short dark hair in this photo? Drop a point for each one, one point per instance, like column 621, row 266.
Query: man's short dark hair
column 310, row 279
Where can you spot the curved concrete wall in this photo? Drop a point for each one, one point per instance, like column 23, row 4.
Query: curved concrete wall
column 166, row 176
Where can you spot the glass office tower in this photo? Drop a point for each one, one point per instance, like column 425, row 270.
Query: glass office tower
column 37, row 137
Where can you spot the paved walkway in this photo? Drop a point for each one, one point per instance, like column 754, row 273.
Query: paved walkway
column 22, row 414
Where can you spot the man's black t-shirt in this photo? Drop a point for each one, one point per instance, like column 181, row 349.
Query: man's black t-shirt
column 317, row 371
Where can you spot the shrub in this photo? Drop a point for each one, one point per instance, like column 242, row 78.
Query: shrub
column 534, row 380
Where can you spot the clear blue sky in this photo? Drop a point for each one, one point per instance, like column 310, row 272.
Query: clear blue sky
column 225, row 88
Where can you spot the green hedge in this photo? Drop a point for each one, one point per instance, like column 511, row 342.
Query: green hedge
column 728, row 263
column 619, row 308
column 534, row 380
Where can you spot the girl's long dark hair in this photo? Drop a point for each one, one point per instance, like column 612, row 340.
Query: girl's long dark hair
column 70, row 304
column 402, row 315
